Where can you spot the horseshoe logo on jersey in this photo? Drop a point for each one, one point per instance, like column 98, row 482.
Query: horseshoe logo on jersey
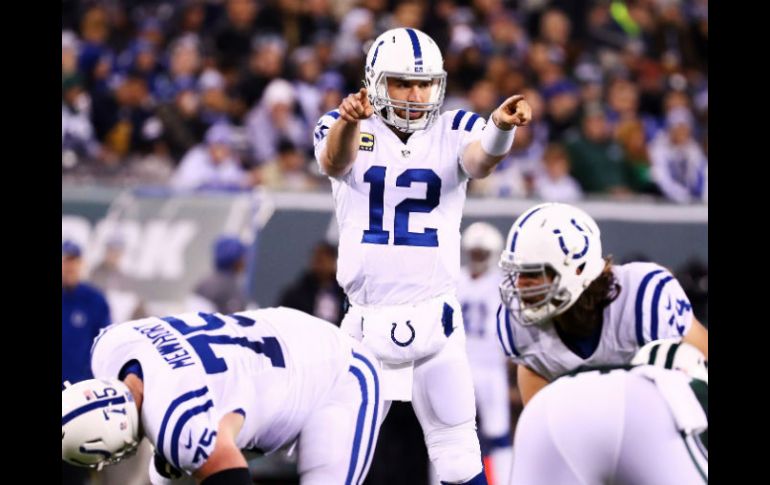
column 396, row 341
column 573, row 252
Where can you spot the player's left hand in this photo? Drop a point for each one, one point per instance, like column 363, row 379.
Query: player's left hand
column 515, row 111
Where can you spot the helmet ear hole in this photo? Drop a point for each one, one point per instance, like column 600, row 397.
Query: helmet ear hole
column 579, row 269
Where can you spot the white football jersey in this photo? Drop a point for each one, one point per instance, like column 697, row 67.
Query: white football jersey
column 651, row 305
column 479, row 299
column 399, row 209
column 273, row 366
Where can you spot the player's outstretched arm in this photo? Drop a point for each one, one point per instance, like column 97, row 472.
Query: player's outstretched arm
column 340, row 151
column 481, row 157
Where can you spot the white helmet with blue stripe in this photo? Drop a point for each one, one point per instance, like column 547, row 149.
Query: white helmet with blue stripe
column 99, row 423
column 552, row 254
column 409, row 54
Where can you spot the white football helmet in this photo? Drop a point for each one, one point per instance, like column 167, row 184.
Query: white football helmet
column 405, row 54
column 483, row 236
column 555, row 241
column 99, row 423
column 672, row 353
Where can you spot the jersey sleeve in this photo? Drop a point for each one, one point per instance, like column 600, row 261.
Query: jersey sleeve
column 661, row 308
column 321, row 132
column 188, row 429
column 505, row 333
column 468, row 126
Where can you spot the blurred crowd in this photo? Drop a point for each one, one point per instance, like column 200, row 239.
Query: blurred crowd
column 224, row 94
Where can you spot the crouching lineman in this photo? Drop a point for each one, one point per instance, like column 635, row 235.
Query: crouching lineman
column 202, row 387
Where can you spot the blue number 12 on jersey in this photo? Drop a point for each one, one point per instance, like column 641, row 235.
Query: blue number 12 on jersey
column 375, row 177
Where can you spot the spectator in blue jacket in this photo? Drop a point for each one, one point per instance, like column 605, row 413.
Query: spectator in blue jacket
column 84, row 311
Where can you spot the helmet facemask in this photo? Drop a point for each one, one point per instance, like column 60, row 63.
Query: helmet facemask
column 385, row 107
column 532, row 304
column 97, row 447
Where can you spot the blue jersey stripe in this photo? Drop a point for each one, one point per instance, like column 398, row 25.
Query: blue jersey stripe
column 180, row 425
column 638, row 313
column 471, row 122
column 654, row 307
column 500, row 333
column 374, row 415
column 175, row 404
column 457, row 118
column 510, row 332
column 359, row 424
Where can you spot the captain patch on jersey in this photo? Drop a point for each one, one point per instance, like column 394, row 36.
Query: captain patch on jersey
column 367, row 142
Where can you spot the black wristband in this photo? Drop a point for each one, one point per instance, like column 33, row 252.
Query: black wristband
column 231, row 476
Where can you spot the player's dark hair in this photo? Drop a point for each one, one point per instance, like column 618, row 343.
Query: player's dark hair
column 586, row 314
